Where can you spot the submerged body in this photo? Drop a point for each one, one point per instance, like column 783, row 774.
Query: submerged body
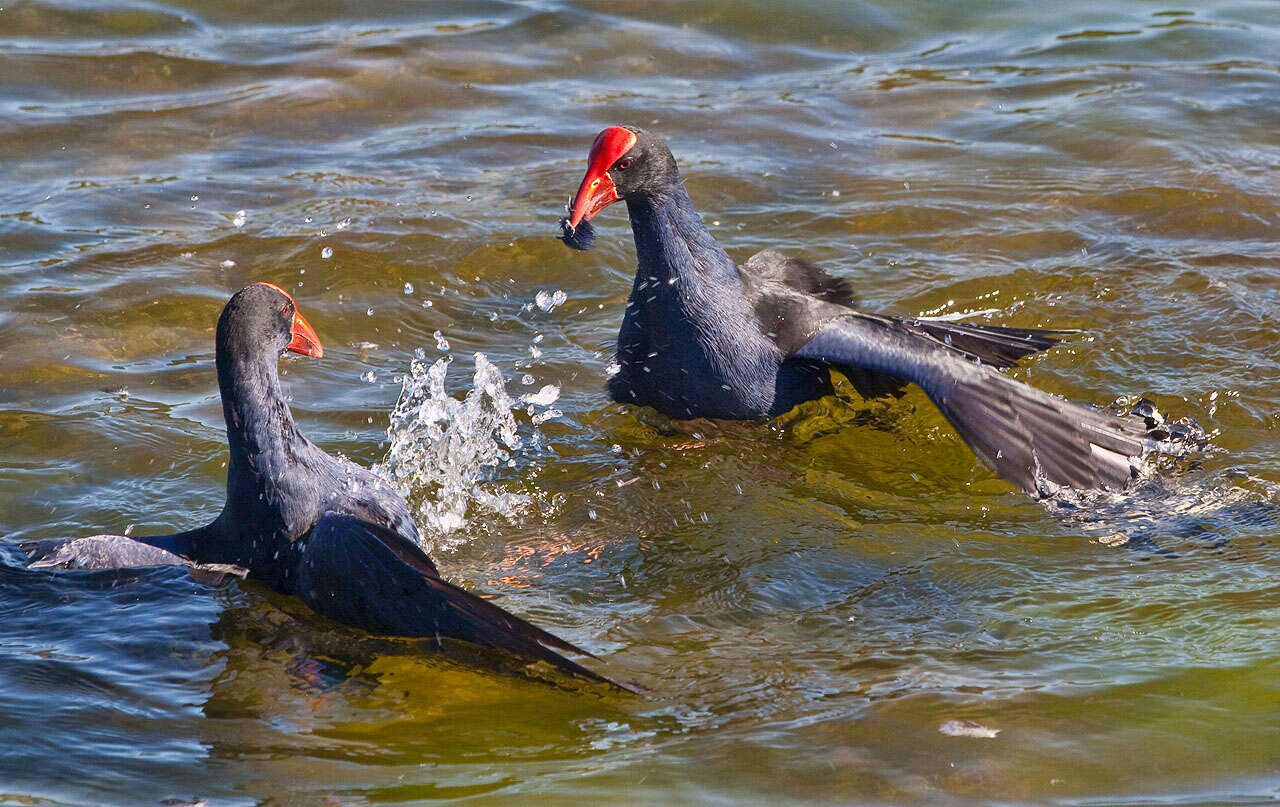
column 704, row 337
column 306, row 523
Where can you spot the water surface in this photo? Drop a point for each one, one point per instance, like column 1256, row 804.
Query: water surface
column 827, row 610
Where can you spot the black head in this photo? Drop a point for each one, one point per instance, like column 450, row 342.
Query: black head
column 263, row 318
column 624, row 163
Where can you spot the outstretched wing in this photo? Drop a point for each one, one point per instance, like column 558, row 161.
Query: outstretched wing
column 103, row 552
column 99, row 552
column 792, row 298
column 373, row 578
column 1032, row 438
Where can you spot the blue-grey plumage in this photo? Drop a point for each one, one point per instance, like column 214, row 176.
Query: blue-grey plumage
column 704, row 337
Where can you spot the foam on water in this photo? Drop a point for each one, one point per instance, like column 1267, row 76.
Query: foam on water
column 1168, row 505
column 1168, row 514
column 444, row 452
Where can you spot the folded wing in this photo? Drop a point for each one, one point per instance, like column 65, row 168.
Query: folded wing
column 373, row 578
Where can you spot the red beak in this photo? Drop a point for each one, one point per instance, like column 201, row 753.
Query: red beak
column 305, row 340
column 597, row 190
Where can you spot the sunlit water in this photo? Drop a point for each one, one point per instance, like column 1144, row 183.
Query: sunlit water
column 842, row 607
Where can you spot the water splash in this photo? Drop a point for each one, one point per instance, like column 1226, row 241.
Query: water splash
column 547, row 300
column 1168, row 515
column 444, row 453
column 1168, row 504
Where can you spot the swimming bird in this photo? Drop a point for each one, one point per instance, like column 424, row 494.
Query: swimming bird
column 705, row 338
column 306, row 523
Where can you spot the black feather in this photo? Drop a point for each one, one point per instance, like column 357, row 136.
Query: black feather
column 365, row 575
column 582, row 237
column 1035, row 440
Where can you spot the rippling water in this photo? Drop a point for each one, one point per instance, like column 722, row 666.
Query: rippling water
column 840, row 608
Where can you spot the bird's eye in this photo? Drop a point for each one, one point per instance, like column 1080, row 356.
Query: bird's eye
column 624, row 165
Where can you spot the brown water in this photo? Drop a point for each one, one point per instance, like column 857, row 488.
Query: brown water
column 813, row 604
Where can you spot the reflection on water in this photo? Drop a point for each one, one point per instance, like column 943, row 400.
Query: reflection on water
column 823, row 608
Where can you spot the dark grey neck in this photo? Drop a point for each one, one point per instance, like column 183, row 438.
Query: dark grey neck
column 260, row 427
column 672, row 244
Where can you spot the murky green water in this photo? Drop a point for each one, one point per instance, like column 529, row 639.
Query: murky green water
column 814, row 605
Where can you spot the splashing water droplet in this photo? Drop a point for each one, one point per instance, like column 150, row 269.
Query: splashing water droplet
column 443, row 452
column 408, row 288
column 543, row 417
column 239, row 219
column 326, row 253
column 547, row 300
column 342, row 225
column 369, row 377
column 442, row 344
column 543, row 397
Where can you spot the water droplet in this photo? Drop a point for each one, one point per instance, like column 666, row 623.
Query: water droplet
column 442, row 344
column 227, row 264
column 369, row 313
column 342, row 225
column 369, row 377
column 239, row 219
column 326, row 253
column 408, row 288
column 543, row 397
column 547, row 300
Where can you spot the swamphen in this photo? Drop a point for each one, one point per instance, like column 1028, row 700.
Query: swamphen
column 704, row 337
column 306, row 523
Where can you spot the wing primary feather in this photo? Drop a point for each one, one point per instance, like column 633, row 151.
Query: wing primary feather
column 1034, row 439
